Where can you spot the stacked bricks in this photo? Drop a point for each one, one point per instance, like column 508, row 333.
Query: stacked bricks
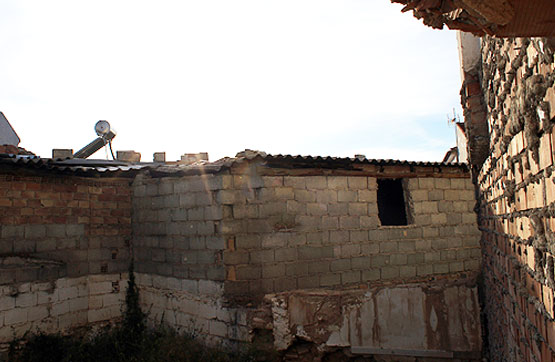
column 52, row 307
column 296, row 232
column 83, row 222
column 176, row 225
column 517, row 199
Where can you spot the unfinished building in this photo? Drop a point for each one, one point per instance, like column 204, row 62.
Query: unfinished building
column 286, row 248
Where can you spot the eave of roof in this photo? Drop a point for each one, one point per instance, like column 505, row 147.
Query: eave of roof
column 502, row 18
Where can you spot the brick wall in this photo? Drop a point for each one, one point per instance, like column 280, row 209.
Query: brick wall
column 83, row 222
column 517, row 199
column 296, row 232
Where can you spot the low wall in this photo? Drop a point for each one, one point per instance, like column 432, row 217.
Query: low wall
column 59, row 305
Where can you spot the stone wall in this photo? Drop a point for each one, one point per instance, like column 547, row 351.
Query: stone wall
column 517, row 198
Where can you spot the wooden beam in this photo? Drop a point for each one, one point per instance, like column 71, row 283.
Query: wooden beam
column 499, row 12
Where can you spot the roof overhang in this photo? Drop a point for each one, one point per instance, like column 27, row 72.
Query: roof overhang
column 502, row 18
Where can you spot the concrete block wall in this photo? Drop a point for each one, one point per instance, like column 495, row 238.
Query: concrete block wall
column 83, row 222
column 300, row 232
column 176, row 226
column 59, row 305
column 517, row 199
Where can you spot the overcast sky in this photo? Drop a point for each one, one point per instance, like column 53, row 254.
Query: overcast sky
column 310, row 77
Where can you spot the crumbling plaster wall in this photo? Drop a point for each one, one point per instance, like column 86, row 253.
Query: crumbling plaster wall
column 63, row 251
column 517, row 197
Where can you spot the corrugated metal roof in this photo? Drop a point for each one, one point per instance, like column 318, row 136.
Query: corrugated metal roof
column 342, row 161
column 75, row 166
column 86, row 167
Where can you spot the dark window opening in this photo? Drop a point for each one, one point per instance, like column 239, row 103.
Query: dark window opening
column 391, row 202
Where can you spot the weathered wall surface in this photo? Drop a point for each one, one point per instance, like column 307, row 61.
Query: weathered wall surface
column 176, row 226
column 193, row 306
column 401, row 317
column 82, row 222
column 299, row 232
column 517, row 199
column 59, row 305
column 56, row 232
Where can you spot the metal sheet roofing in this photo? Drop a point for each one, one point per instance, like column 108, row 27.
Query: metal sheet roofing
column 86, row 167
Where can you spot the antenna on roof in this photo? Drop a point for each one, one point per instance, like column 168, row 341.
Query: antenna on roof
column 105, row 136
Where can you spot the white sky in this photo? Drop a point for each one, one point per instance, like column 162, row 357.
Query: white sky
column 310, row 77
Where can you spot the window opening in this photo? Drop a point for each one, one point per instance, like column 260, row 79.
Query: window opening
column 391, row 202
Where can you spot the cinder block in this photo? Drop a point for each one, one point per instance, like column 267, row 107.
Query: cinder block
column 282, row 284
column 338, row 209
column 425, row 269
column 273, row 270
column 35, row 231
column 340, row 265
column 304, row 196
column 316, row 209
column 308, row 282
column 37, row 313
column 322, row 266
column 419, row 195
column 330, row 279
column 442, row 183
column 261, row 256
column 441, row 268
column 210, row 287
column 7, row 303
column 350, row 277
column 435, row 195
column 389, row 272
column 426, row 183
column 407, row 271
column 347, row 196
column 339, row 236
column 68, row 293
column 337, row 182
column 377, row 261
column 15, row 316
column 357, row 183
column 367, row 196
column 349, row 222
column 371, row 275
column 59, row 308
column 296, row 268
column 358, row 209
column 316, row 182
column 295, row 182
column 389, row 246
column 440, row 219
column 284, row 193
column 326, row 196
column 248, row 272
column 288, row 254
column 398, row 259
